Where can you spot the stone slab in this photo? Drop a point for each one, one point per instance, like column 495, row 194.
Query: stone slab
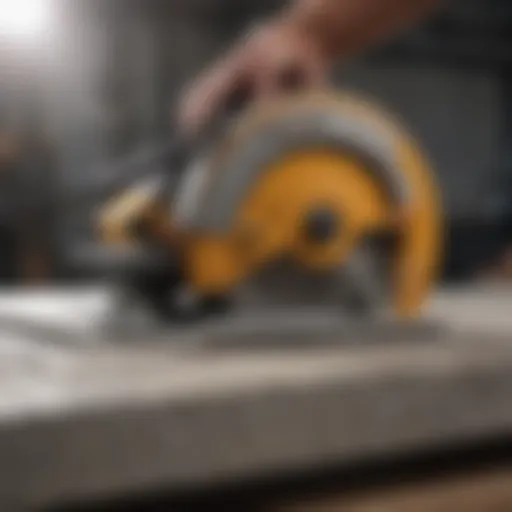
column 82, row 418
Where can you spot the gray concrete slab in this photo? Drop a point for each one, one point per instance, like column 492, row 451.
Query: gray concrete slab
column 90, row 419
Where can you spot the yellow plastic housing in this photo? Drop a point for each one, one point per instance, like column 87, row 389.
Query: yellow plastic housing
column 270, row 222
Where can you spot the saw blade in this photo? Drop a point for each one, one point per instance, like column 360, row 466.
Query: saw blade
column 361, row 285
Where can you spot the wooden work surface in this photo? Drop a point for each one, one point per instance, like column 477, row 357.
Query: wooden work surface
column 83, row 419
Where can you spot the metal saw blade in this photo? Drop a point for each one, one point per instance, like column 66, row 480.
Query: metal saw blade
column 361, row 285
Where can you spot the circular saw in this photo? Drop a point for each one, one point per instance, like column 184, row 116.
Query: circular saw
column 320, row 198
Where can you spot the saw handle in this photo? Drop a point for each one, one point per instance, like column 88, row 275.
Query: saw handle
column 289, row 80
column 177, row 150
column 238, row 99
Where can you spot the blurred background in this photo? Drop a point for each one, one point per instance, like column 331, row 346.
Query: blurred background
column 88, row 81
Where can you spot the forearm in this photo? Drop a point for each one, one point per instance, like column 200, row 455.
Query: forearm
column 344, row 27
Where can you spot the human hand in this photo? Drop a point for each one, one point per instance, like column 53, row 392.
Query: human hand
column 272, row 60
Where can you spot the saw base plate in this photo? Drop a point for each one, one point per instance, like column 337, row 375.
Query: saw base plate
column 98, row 320
column 268, row 327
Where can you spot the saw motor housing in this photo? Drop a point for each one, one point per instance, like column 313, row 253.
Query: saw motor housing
column 309, row 179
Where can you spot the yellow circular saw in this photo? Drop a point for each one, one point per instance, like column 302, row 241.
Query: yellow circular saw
column 319, row 184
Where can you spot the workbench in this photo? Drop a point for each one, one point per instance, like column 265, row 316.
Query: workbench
column 85, row 420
